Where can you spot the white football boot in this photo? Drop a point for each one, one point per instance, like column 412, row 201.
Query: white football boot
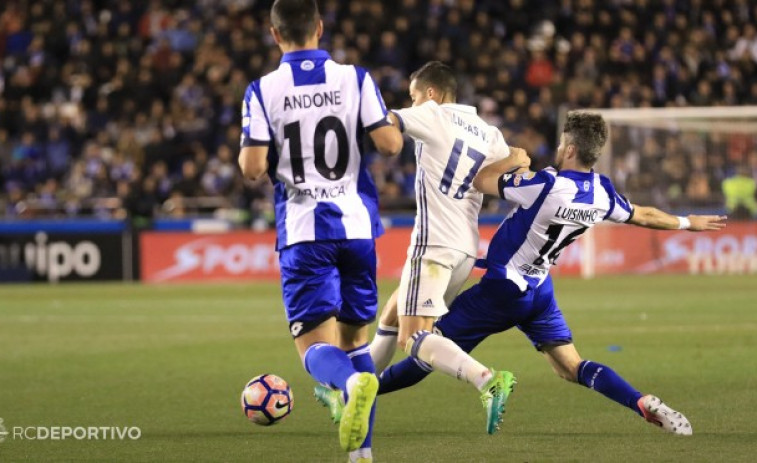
column 656, row 412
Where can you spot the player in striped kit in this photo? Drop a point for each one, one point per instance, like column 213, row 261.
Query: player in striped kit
column 304, row 125
column 554, row 207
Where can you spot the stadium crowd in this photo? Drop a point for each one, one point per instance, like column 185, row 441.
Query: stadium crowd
column 118, row 108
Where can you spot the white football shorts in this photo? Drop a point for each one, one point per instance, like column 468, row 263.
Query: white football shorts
column 431, row 278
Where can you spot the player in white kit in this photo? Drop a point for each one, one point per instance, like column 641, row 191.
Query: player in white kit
column 553, row 207
column 451, row 144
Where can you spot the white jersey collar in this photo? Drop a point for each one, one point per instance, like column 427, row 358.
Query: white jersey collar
column 461, row 107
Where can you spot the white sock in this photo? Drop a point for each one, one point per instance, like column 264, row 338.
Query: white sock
column 361, row 453
column 446, row 356
column 481, row 380
column 352, row 381
column 383, row 346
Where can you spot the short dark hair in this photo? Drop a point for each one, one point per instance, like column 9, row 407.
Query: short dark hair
column 296, row 20
column 588, row 132
column 438, row 75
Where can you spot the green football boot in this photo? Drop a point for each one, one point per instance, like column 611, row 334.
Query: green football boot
column 494, row 397
column 331, row 399
column 353, row 427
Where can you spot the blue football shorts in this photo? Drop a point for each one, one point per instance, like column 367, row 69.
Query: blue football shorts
column 324, row 279
column 496, row 305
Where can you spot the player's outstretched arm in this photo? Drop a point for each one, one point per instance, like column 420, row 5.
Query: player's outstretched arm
column 253, row 160
column 487, row 180
column 650, row 217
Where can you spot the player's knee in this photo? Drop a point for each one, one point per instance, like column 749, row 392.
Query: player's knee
column 389, row 318
column 405, row 339
column 413, row 342
column 566, row 374
column 404, row 343
column 564, row 360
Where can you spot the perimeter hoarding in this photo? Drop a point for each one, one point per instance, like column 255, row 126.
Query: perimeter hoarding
column 55, row 257
column 617, row 249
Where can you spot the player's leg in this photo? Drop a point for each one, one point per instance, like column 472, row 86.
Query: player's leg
column 569, row 365
column 384, row 343
column 460, row 325
column 457, row 279
column 435, row 352
column 423, row 301
column 326, row 363
column 427, row 352
column 357, row 266
column 351, row 339
column 424, row 284
column 474, row 315
column 355, row 340
column 311, row 290
column 550, row 334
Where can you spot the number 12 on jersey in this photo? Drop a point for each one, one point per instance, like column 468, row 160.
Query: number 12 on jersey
column 454, row 160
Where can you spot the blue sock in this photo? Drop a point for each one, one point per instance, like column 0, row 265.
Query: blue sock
column 361, row 360
column 604, row 380
column 402, row 374
column 328, row 364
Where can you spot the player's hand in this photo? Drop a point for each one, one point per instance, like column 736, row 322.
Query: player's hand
column 520, row 157
column 706, row 222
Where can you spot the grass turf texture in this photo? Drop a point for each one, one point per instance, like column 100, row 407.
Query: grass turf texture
column 172, row 360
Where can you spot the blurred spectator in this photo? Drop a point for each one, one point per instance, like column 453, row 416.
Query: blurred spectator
column 219, row 173
column 540, row 71
column 58, row 153
column 138, row 102
column 189, row 183
column 746, row 46
column 143, row 201
column 739, row 191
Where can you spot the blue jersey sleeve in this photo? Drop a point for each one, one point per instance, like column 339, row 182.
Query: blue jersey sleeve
column 621, row 210
column 524, row 189
column 372, row 109
column 255, row 125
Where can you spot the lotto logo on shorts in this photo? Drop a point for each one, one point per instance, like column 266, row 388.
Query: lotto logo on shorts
column 295, row 328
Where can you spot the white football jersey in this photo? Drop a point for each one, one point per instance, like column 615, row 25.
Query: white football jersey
column 553, row 209
column 313, row 113
column 451, row 144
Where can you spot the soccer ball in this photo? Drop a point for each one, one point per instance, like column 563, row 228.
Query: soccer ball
column 267, row 399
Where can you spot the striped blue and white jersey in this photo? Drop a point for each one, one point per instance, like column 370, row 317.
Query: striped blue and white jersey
column 451, row 144
column 312, row 113
column 552, row 210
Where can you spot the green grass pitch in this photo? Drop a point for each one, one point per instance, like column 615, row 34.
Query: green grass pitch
column 172, row 360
